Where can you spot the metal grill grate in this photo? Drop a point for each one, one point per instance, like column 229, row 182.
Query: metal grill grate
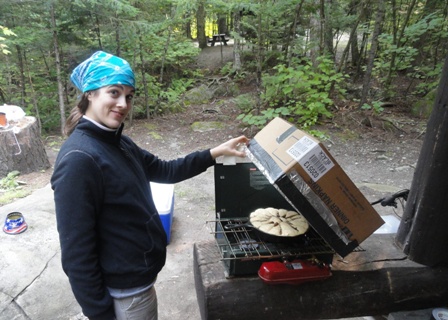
column 244, row 244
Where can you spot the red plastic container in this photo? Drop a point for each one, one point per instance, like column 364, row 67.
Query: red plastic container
column 294, row 272
column 3, row 121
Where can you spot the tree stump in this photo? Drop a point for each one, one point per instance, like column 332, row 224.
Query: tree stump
column 21, row 147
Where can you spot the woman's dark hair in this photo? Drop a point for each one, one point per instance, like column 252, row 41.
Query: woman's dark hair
column 76, row 113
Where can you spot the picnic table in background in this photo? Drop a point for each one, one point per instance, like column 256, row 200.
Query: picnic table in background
column 221, row 38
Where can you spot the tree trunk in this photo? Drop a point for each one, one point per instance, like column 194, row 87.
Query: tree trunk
column 372, row 53
column 33, row 95
column 398, row 44
column 222, row 24
column 350, row 39
column 292, row 36
column 260, row 47
column 2, row 95
column 362, row 53
column 354, row 49
column 22, row 74
column 143, row 69
column 423, row 229
column 430, row 7
column 165, row 51
column 58, row 69
column 237, row 42
column 200, row 22
column 6, row 93
column 21, row 148
column 327, row 27
column 162, row 66
column 188, row 27
column 117, row 35
column 98, row 31
column 354, row 46
column 315, row 35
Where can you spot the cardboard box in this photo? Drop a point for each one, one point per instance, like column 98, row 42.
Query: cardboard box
column 163, row 195
column 306, row 174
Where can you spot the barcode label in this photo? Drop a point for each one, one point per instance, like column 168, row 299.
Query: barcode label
column 301, row 147
column 316, row 163
column 311, row 157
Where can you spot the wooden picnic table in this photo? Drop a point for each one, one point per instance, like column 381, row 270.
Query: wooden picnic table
column 221, row 38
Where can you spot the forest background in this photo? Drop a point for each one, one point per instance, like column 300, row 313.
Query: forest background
column 305, row 59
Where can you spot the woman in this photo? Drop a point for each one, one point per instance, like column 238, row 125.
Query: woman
column 112, row 241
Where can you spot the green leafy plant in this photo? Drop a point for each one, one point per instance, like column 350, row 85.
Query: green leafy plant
column 226, row 69
column 430, row 78
column 245, row 102
column 10, row 181
column 301, row 92
column 265, row 115
column 3, row 47
column 430, row 26
column 318, row 134
column 376, row 107
column 176, row 88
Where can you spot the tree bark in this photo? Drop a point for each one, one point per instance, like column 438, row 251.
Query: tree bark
column 260, row 47
column 237, row 41
column 58, row 69
column 117, row 35
column 292, row 35
column 372, row 53
column 398, row 43
column 222, row 24
column 98, row 31
column 327, row 27
column 188, row 27
column 315, row 35
column 21, row 148
column 33, row 94
column 423, row 229
column 355, row 7
column 143, row 70
column 200, row 22
column 430, row 7
column 22, row 74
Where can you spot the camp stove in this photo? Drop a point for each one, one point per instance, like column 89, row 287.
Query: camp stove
column 240, row 189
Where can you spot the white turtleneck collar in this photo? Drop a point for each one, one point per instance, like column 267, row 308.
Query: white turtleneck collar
column 99, row 125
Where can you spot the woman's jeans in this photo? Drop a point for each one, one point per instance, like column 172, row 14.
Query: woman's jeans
column 142, row 306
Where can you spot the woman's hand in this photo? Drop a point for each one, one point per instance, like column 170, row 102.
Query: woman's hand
column 230, row 148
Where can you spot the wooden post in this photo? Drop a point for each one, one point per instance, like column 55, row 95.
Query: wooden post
column 21, row 148
column 423, row 231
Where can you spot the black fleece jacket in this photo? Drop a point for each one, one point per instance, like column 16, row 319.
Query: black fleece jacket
column 110, row 232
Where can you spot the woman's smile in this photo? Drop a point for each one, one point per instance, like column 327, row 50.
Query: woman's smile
column 110, row 105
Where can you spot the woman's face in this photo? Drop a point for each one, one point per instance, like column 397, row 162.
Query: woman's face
column 110, row 105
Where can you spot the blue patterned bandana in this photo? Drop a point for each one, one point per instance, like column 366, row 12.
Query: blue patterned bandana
column 100, row 70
